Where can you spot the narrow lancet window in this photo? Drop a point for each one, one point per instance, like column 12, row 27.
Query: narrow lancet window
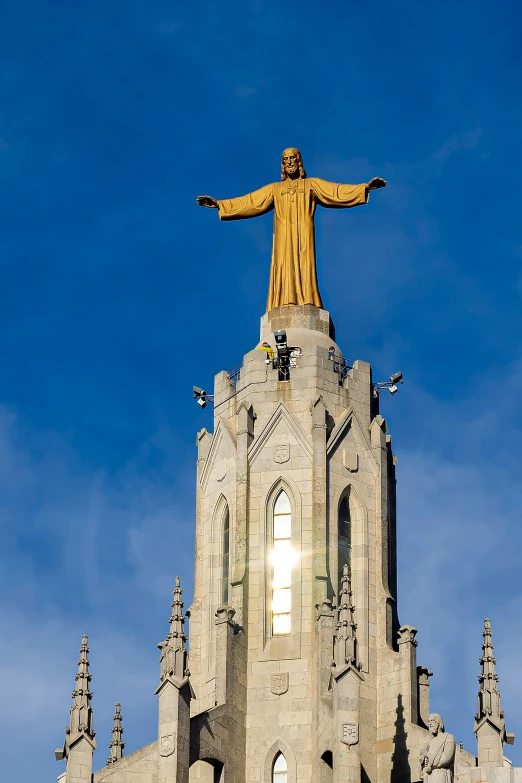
column 280, row 769
column 344, row 539
column 282, row 561
column 225, row 564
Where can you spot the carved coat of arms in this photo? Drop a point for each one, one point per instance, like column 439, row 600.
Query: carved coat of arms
column 166, row 744
column 282, row 452
column 350, row 733
column 279, row 683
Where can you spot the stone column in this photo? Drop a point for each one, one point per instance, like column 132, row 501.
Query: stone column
column 346, row 712
column 408, row 661
column 245, row 435
column 320, row 542
column 173, row 731
column 423, row 679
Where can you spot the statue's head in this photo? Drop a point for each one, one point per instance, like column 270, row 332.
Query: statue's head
column 292, row 164
column 435, row 724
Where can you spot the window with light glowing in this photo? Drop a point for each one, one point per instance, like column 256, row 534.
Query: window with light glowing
column 344, row 541
column 280, row 769
column 225, row 564
column 282, row 561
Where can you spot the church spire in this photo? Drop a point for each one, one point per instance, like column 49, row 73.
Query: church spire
column 79, row 742
column 173, row 657
column 489, row 694
column 346, row 648
column 489, row 721
column 116, row 745
column 80, row 720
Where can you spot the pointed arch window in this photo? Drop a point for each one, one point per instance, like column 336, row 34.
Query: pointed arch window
column 225, row 557
column 344, row 538
column 282, row 561
column 280, row 769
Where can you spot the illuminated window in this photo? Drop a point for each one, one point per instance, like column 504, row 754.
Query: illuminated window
column 282, row 561
column 280, row 769
column 344, row 538
column 225, row 563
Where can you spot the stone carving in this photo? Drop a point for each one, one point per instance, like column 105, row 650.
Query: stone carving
column 293, row 276
column 436, row 758
column 350, row 461
column 350, row 733
column 166, row 745
column 279, row 683
column 282, row 452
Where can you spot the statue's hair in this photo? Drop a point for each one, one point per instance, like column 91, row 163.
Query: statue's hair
column 437, row 716
column 302, row 172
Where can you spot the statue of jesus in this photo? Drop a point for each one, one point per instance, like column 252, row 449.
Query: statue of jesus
column 293, row 276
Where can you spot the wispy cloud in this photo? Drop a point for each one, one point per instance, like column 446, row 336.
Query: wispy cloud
column 467, row 140
column 244, row 91
column 81, row 555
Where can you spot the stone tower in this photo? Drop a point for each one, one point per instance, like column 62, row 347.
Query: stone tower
column 297, row 668
column 298, row 664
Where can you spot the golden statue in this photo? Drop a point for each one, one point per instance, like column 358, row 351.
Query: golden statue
column 293, row 276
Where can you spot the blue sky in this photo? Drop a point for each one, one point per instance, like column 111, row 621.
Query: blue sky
column 117, row 294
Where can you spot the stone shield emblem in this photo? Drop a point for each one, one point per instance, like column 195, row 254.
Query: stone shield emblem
column 166, row 745
column 350, row 733
column 279, row 683
column 282, row 452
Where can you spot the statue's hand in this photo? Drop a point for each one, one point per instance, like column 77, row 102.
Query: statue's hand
column 376, row 183
column 207, row 201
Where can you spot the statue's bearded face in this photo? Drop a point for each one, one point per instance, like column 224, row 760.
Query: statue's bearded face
column 433, row 725
column 291, row 162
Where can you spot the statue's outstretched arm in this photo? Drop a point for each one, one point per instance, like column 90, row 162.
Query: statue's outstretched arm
column 332, row 194
column 253, row 204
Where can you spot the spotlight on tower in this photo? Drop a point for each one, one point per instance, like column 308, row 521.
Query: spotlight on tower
column 393, row 389
column 396, row 378
column 200, row 395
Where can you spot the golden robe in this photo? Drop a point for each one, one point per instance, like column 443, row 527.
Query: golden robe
column 293, row 276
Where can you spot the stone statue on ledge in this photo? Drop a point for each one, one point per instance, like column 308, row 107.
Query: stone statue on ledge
column 436, row 759
column 293, row 276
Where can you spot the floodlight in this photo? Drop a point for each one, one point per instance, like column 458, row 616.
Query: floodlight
column 202, row 402
column 280, row 336
column 392, row 389
column 197, row 392
column 396, row 377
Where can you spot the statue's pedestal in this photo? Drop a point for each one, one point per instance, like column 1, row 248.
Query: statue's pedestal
column 297, row 317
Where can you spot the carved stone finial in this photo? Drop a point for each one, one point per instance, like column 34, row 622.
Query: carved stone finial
column 489, row 707
column 346, row 649
column 407, row 633
column 81, row 710
column 116, row 745
column 80, row 716
column 173, row 658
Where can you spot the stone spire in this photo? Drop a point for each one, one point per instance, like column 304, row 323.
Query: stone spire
column 116, row 745
column 489, row 694
column 489, row 720
column 80, row 720
column 173, row 657
column 79, row 735
column 174, row 694
column 346, row 647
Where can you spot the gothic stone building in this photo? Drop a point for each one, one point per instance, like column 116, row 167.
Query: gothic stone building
column 297, row 668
